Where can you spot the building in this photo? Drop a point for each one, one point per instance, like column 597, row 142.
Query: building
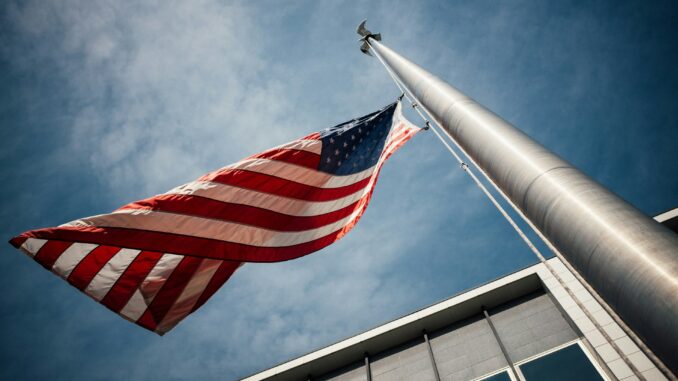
column 525, row 325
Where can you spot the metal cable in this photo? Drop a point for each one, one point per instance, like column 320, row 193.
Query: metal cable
column 462, row 164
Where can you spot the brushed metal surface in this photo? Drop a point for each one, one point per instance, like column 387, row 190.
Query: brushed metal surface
column 629, row 258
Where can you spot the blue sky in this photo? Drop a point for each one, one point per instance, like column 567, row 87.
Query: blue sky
column 105, row 103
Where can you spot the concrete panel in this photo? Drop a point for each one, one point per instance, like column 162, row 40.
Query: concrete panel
column 531, row 325
column 353, row 372
column 466, row 350
column 406, row 362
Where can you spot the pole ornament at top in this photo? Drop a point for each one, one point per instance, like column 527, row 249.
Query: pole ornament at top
column 365, row 34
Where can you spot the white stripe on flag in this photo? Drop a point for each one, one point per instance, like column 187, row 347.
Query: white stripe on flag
column 313, row 146
column 146, row 292
column 280, row 204
column 164, row 222
column 306, row 175
column 109, row 274
column 209, row 228
column 32, row 246
column 135, row 307
column 71, row 257
column 189, row 296
column 299, row 174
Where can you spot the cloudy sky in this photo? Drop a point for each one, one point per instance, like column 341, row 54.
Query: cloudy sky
column 103, row 103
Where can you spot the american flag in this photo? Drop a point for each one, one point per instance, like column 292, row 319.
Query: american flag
column 157, row 260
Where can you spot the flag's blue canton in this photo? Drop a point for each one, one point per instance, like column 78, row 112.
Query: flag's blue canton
column 354, row 146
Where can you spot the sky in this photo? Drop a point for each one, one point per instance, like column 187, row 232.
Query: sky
column 103, row 103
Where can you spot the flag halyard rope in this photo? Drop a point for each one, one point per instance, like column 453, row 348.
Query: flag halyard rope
column 410, row 97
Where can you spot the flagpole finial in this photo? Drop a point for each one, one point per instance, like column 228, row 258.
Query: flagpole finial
column 365, row 35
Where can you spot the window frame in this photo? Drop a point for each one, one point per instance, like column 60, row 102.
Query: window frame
column 577, row 342
column 505, row 369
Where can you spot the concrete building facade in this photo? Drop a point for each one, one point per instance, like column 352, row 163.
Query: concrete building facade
column 539, row 323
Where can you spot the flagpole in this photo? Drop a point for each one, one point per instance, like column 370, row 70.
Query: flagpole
column 629, row 259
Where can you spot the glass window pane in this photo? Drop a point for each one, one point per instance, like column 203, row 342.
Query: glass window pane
column 569, row 363
column 503, row 376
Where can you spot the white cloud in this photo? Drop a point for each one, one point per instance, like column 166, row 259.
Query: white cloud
column 166, row 88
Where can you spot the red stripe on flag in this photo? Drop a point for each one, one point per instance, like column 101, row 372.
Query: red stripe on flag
column 284, row 171
column 189, row 245
column 239, row 213
column 90, row 266
column 292, row 156
column 18, row 241
column 50, row 252
column 287, row 188
column 223, row 273
column 278, row 186
column 130, row 280
column 201, row 247
column 181, row 244
column 147, row 321
column 169, row 293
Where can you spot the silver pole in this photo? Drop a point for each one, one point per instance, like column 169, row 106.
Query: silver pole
column 415, row 105
column 627, row 257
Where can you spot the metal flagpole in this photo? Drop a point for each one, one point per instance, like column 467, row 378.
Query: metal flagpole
column 408, row 94
column 528, row 242
column 630, row 260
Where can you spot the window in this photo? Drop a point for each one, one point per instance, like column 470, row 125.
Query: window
column 503, row 376
column 569, row 363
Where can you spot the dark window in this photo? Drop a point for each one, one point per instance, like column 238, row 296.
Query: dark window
column 569, row 363
column 503, row 376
